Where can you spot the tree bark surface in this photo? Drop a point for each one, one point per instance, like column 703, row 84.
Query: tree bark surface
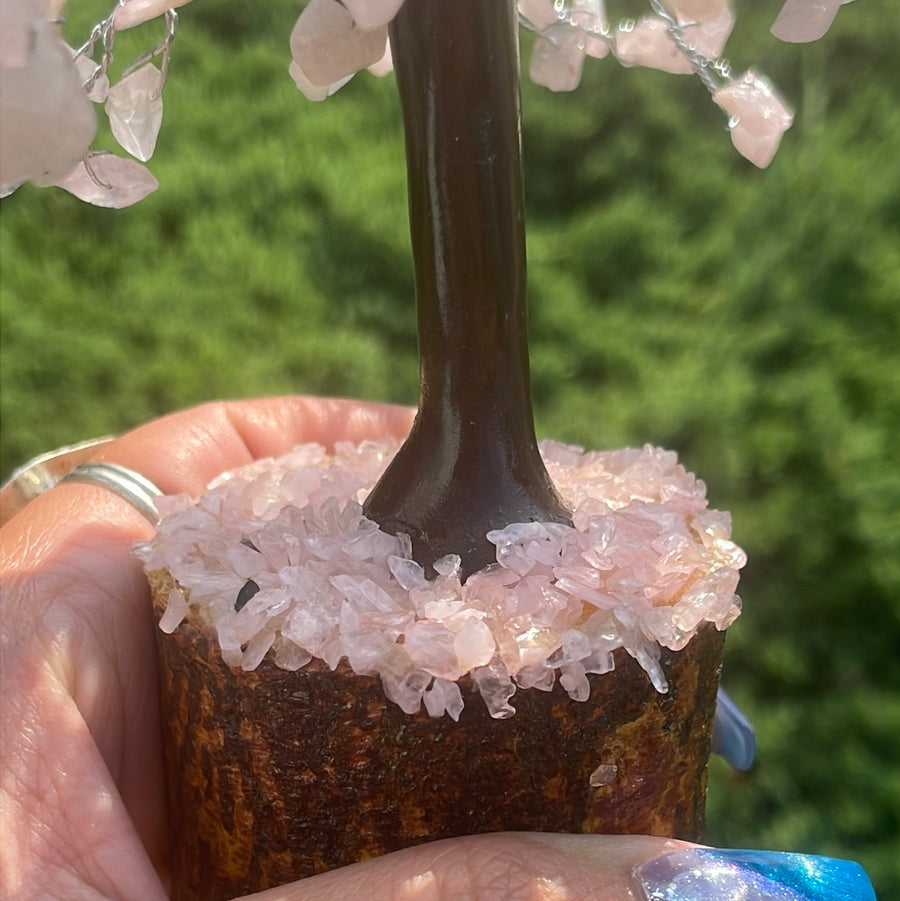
column 275, row 775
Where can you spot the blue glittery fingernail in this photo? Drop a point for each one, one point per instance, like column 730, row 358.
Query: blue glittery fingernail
column 712, row 874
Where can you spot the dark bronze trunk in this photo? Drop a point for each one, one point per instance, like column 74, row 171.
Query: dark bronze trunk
column 471, row 462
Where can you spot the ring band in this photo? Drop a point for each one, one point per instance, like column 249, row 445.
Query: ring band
column 74, row 463
column 139, row 491
column 41, row 473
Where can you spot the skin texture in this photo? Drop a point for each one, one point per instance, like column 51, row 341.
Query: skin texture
column 82, row 799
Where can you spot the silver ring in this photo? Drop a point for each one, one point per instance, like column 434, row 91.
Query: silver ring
column 139, row 491
column 41, row 473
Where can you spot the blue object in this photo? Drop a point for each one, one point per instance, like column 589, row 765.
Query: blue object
column 711, row 874
column 733, row 737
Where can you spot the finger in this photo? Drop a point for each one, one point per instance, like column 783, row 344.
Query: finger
column 67, row 563
column 184, row 451
column 76, row 601
column 67, row 830
column 498, row 867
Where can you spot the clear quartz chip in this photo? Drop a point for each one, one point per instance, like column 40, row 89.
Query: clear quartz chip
column 135, row 111
column 574, row 680
column 496, row 689
column 444, row 697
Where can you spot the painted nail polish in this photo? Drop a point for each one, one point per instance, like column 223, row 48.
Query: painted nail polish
column 733, row 737
column 712, row 874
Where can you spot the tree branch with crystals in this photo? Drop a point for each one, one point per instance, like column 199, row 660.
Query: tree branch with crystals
column 678, row 36
column 48, row 124
column 48, row 91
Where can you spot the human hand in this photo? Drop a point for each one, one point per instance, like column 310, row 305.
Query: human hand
column 82, row 796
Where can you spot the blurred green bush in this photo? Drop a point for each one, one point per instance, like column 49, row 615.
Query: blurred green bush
column 679, row 296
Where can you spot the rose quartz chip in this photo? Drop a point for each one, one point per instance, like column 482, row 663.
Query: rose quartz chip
column 557, row 59
column 135, row 111
column 605, row 774
column 578, row 30
column 136, row 12
column 86, row 71
column 590, row 17
column 16, row 18
column 708, row 36
column 705, row 24
column 759, row 117
column 444, row 697
column 696, row 10
column 646, row 564
column 175, row 612
column 540, row 13
column 369, row 14
column 648, row 43
column 122, row 182
column 385, row 65
column 46, row 122
column 474, row 644
column 431, row 647
column 327, row 46
column 801, row 21
column 312, row 91
column 289, row 656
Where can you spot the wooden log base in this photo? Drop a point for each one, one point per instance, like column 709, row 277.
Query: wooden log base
column 275, row 775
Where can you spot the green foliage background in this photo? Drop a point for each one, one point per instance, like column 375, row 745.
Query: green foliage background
column 750, row 320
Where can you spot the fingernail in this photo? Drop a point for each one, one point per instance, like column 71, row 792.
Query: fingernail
column 733, row 737
column 713, row 874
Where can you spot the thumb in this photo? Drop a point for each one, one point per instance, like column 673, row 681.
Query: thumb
column 543, row 867
column 508, row 866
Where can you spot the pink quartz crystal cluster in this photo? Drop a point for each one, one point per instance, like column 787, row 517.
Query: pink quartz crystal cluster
column 277, row 558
